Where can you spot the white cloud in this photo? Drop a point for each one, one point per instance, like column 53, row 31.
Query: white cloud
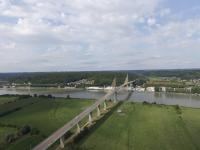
column 89, row 34
column 164, row 12
column 151, row 21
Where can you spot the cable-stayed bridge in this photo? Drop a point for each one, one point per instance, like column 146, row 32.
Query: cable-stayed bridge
column 75, row 122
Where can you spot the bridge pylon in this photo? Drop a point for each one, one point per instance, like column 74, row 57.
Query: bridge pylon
column 114, row 84
column 126, row 80
column 58, row 135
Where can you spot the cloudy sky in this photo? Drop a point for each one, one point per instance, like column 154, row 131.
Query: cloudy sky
column 72, row 35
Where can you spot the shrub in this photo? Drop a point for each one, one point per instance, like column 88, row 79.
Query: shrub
column 68, row 96
column 178, row 109
column 196, row 89
column 145, row 102
column 10, row 138
column 25, row 129
column 50, row 96
column 35, row 131
column 24, row 97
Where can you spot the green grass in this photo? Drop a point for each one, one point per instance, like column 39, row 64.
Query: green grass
column 4, row 99
column 45, row 114
column 146, row 127
column 16, row 105
column 140, row 127
column 4, row 131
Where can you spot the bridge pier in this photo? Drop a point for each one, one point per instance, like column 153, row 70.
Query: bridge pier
column 115, row 97
column 98, row 111
column 62, row 144
column 90, row 118
column 58, row 135
column 78, row 128
column 104, row 105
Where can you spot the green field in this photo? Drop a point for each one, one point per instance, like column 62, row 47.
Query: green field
column 137, row 126
column 146, row 127
column 45, row 114
column 7, row 99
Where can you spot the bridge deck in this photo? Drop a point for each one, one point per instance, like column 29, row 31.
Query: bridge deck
column 60, row 132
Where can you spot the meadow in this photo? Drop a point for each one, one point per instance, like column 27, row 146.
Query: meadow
column 44, row 114
column 146, row 127
column 127, row 126
column 7, row 99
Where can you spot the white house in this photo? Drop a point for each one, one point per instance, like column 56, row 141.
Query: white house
column 163, row 89
column 150, row 89
column 139, row 89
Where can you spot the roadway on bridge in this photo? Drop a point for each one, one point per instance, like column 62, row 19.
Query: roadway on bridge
column 60, row 132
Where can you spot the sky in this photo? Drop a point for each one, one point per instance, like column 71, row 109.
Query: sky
column 84, row 35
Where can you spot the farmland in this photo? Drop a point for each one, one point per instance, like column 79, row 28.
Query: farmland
column 7, row 99
column 130, row 125
column 146, row 127
column 44, row 114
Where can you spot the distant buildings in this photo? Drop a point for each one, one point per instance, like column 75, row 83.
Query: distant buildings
column 139, row 89
column 150, row 89
column 94, row 88
column 81, row 82
column 163, row 89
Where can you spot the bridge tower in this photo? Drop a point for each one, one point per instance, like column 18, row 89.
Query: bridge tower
column 114, row 84
column 126, row 80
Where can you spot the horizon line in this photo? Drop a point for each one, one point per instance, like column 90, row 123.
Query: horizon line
column 162, row 69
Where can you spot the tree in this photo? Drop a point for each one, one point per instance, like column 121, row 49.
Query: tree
column 25, row 129
column 196, row 89
column 10, row 138
column 157, row 89
column 68, row 96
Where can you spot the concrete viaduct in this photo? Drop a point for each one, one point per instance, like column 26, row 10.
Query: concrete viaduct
column 59, row 134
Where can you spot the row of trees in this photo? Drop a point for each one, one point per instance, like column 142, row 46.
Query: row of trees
column 179, row 73
column 21, row 131
column 101, row 78
column 196, row 89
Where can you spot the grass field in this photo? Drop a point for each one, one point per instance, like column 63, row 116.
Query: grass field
column 4, row 131
column 138, row 126
column 47, row 115
column 146, row 127
column 6, row 99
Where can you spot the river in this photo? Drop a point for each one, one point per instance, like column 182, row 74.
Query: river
column 187, row 100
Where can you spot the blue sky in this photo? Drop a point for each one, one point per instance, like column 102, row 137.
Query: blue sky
column 73, row 35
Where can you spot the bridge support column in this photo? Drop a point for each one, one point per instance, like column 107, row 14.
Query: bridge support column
column 98, row 111
column 115, row 97
column 104, row 105
column 78, row 128
column 90, row 118
column 62, row 144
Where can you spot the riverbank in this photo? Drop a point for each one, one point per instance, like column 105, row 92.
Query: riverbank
column 186, row 100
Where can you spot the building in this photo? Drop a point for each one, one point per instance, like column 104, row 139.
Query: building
column 94, row 88
column 139, row 89
column 163, row 89
column 81, row 82
column 150, row 89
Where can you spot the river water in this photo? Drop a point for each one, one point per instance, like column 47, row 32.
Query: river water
column 187, row 100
